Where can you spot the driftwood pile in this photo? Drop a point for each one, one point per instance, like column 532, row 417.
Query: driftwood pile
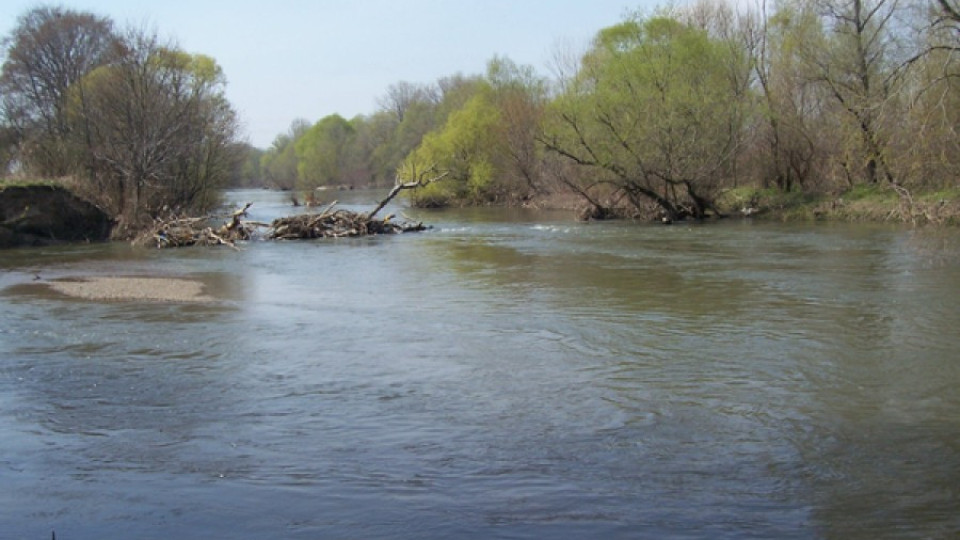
column 332, row 223
column 177, row 231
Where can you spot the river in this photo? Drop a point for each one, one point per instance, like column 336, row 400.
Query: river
column 506, row 374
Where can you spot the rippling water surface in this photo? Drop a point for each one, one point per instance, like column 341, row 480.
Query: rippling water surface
column 505, row 375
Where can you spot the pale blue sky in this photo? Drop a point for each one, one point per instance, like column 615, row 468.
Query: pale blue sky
column 290, row 59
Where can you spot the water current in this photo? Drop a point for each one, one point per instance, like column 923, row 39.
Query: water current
column 506, row 374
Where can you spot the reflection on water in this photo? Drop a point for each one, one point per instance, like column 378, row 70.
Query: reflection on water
column 506, row 374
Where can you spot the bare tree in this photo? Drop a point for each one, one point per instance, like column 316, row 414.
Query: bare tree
column 50, row 50
column 402, row 95
column 858, row 66
column 791, row 103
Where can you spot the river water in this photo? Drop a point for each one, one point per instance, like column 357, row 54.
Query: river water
column 507, row 374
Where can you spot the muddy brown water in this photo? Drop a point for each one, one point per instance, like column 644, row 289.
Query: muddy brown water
column 507, row 374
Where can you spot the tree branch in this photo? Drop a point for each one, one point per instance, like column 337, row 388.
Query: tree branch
column 421, row 181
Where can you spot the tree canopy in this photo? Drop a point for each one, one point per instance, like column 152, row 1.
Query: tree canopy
column 652, row 113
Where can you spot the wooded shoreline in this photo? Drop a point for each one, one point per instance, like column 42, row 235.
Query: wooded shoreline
column 44, row 213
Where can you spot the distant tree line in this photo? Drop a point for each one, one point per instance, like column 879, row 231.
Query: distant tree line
column 668, row 110
column 138, row 125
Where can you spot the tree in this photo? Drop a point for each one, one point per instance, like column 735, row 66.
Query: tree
column 520, row 96
column 926, row 144
column 160, row 130
column 464, row 149
column 369, row 160
column 402, row 95
column 791, row 103
column 279, row 162
column 322, row 152
column 856, row 62
column 736, row 32
column 248, row 174
column 651, row 113
column 49, row 51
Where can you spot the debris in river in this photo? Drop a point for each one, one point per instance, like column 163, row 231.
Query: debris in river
column 331, row 223
column 196, row 231
column 328, row 223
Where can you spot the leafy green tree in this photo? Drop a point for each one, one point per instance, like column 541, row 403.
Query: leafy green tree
column 487, row 145
column 373, row 149
column 322, row 151
column 465, row 149
column 652, row 114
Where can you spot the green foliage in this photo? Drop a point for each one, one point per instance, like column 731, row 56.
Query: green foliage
column 321, row 152
column 464, row 148
column 653, row 109
column 673, row 110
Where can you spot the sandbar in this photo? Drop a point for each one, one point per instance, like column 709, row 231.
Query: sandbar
column 150, row 289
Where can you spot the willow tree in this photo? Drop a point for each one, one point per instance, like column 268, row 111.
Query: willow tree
column 929, row 150
column 651, row 113
column 520, row 96
column 464, row 149
column 487, row 145
column 279, row 162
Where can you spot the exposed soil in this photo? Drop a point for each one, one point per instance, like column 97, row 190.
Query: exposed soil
column 38, row 215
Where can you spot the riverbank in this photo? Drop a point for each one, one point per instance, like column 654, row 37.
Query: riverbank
column 38, row 213
column 879, row 204
column 44, row 212
column 862, row 204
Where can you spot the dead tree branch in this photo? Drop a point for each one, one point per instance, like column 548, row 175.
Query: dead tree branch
column 421, row 181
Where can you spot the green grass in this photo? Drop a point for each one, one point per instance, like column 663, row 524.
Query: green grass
column 949, row 195
column 878, row 203
column 870, row 192
column 791, row 206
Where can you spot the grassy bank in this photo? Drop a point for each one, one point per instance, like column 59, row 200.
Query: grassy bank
column 29, row 182
column 879, row 203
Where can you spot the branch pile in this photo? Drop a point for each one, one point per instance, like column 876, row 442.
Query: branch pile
column 196, row 231
column 336, row 224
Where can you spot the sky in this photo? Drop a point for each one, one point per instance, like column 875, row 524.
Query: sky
column 290, row 59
